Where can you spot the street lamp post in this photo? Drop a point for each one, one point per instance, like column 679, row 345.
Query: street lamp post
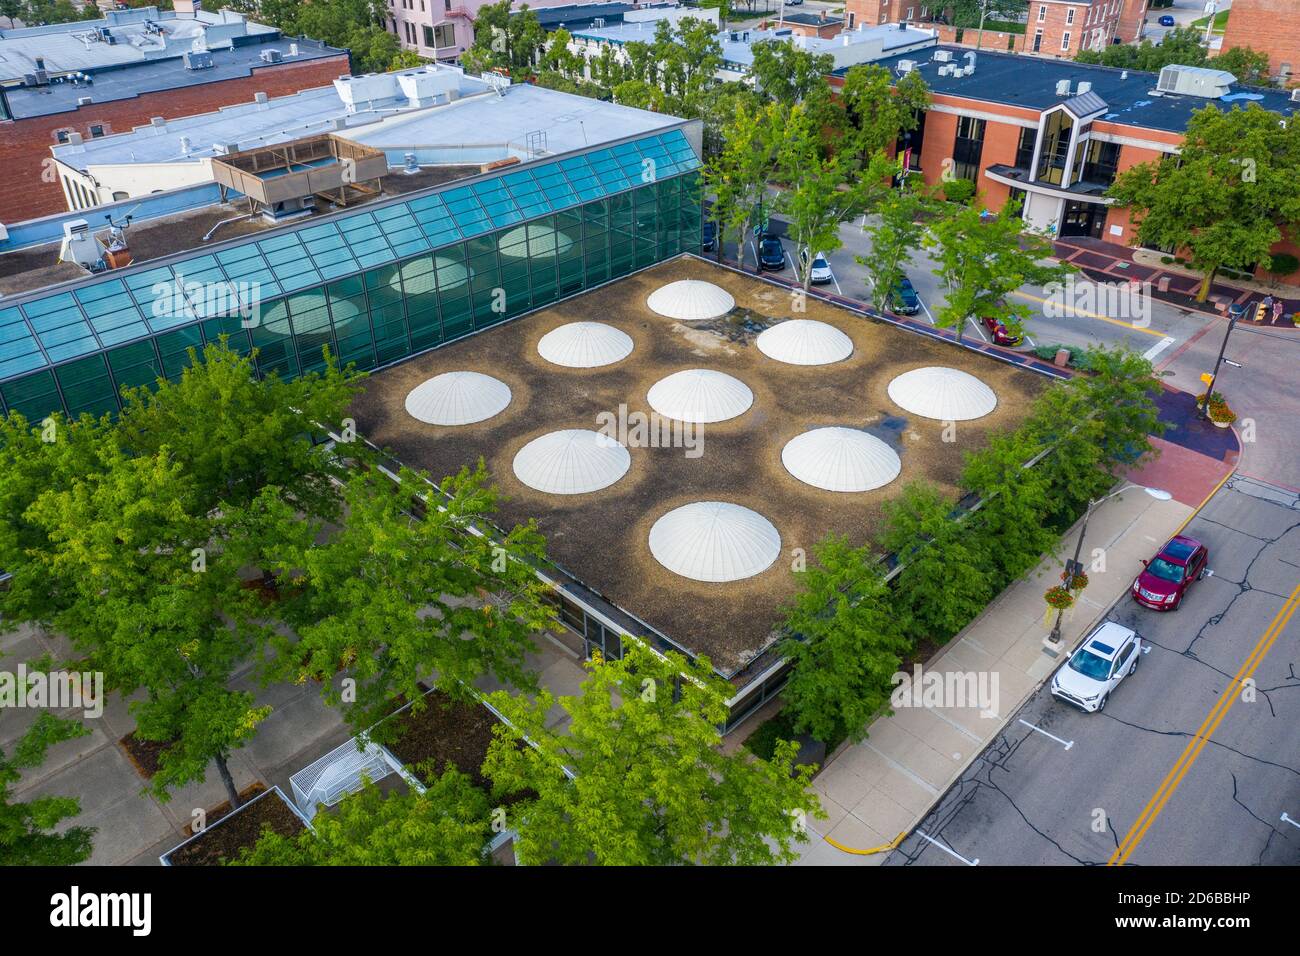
column 1074, row 567
column 1235, row 312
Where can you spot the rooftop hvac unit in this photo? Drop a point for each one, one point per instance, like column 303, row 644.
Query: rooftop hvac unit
column 197, row 60
column 947, row 70
column 598, row 23
column 1062, row 87
column 1084, row 87
column 906, row 66
column 1295, row 95
column 271, row 56
column 1195, row 81
column 411, row 167
column 943, row 56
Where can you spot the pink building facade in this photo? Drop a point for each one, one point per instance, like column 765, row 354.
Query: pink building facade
column 442, row 29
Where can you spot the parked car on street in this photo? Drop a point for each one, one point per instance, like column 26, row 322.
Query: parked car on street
column 821, row 269
column 771, row 253
column 1170, row 573
column 1000, row 334
column 903, row 299
column 1092, row 673
column 1165, row 21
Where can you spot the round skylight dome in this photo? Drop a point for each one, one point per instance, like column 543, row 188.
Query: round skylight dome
column 700, row 395
column 690, row 300
column 571, row 462
column 585, row 345
column 840, row 459
column 805, row 342
column 457, row 398
column 541, row 241
column 945, row 394
column 714, row 541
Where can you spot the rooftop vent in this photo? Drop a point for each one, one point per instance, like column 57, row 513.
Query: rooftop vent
column 1062, row 87
column 1195, row 81
column 906, row 66
column 1084, row 87
column 271, row 56
column 1295, row 95
column 942, row 56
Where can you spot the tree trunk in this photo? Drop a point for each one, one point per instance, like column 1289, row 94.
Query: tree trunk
column 231, row 793
column 1204, row 291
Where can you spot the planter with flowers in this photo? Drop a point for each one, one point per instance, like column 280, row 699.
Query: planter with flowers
column 1076, row 582
column 1221, row 415
column 1215, row 399
column 1059, row 598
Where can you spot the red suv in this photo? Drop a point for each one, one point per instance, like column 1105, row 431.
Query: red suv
column 1001, row 334
column 1170, row 573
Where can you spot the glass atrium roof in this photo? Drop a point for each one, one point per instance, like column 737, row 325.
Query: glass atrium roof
column 111, row 309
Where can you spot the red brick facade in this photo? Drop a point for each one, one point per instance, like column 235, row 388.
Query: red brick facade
column 1270, row 26
column 1132, row 20
column 25, row 143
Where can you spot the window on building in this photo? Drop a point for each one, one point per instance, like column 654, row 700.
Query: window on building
column 1057, row 129
column 967, row 148
column 1065, row 40
column 96, row 131
column 1042, row 12
column 1069, row 16
column 62, row 135
column 1100, row 162
column 850, row 19
column 446, row 5
column 1038, row 40
column 912, row 140
column 428, row 35
column 118, row 195
column 444, row 35
column 1025, row 148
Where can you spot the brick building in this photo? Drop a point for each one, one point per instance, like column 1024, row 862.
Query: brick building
column 1270, row 26
column 57, row 83
column 1054, row 133
column 1059, row 28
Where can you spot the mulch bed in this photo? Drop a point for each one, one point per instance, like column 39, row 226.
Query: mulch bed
column 243, row 829
column 445, row 732
column 144, row 755
column 220, row 810
column 602, row 537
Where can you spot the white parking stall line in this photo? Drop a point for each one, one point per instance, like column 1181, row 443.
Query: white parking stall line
column 838, row 290
column 1159, row 347
column 1030, row 339
column 1065, row 743
column 952, row 853
column 926, row 309
column 977, row 328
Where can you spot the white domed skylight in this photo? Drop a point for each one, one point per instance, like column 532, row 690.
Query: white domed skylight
column 585, row 345
column 700, row 395
column 945, row 394
column 805, row 342
column 571, row 462
column 457, row 398
column 840, row 459
column 714, row 541
column 690, row 300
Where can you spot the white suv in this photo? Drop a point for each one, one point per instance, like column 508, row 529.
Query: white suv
column 1108, row 655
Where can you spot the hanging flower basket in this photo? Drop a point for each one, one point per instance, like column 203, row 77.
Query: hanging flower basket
column 1059, row 598
column 1079, row 582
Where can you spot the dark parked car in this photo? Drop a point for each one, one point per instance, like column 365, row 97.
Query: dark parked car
column 771, row 254
column 1170, row 573
column 1000, row 333
column 710, row 235
column 1165, row 21
column 903, row 299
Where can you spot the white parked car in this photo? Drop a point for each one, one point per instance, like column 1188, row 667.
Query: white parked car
column 1109, row 654
column 821, row 269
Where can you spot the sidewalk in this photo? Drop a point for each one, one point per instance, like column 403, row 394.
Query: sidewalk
column 883, row 786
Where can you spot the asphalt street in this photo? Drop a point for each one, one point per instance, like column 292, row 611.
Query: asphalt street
column 1029, row 799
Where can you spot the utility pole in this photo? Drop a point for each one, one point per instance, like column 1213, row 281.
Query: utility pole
column 1234, row 313
column 1210, row 8
column 984, row 9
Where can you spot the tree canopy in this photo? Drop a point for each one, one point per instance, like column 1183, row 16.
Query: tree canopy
column 28, row 834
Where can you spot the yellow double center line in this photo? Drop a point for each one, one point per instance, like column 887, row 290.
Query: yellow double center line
column 1203, row 734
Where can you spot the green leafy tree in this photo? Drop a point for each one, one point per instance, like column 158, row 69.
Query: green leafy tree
column 1015, row 502
column 1182, row 45
column 447, row 825
column 738, row 175
column 879, row 111
column 846, row 643
column 1227, row 198
column 788, row 74
column 1249, row 66
column 639, row 94
column 393, row 599
column 652, row 786
column 27, row 836
column 11, row 10
column 821, row 191
column 945, row 580
column 983, row 258
column 895, row 235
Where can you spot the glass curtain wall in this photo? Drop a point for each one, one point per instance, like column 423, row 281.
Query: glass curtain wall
column 387, row 312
